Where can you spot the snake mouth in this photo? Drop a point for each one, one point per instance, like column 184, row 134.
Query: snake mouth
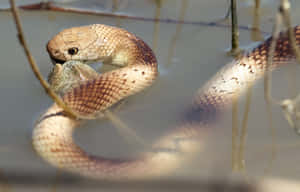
column 55, row 61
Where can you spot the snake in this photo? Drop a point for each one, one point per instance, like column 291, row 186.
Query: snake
column 89, row 94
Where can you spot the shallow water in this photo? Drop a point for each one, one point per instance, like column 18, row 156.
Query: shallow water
column 199, row 52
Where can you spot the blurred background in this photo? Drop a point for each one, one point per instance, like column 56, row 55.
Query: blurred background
column 189, row 53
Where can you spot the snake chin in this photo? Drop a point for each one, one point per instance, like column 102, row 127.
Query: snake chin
column 56, row 61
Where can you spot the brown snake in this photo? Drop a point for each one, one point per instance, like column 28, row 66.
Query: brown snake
column 52, row 136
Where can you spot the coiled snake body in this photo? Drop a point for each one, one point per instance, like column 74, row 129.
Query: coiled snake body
column 52, row 136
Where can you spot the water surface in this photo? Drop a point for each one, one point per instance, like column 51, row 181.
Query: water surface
column 199, row 52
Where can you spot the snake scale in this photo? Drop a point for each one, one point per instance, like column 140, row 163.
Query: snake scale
column 52, row 135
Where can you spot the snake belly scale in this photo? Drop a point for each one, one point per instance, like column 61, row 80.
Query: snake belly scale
column 52, row 135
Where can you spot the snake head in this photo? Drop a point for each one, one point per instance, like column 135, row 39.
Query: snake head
column 77, row 43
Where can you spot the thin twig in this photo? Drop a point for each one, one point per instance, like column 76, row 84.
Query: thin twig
column 235, row 50
column 184, row 5
column 267, row 86
column 227, row 12
column 268, row 74
column 235, row 133
column 244, row 128
column 55, row 184
column 156, row 24
column 126, row 131
column 115, row 7
column 33, row 64
column 255, row 33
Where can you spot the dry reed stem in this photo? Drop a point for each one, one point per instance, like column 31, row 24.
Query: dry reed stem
column 255, row 32
column 33, row 64
column 267, row 88
column 115, row 7
column 235, row 133
column 238, row 146
column 125, row 131
column 184, row 5
column 156, row 24
column 243, row 137
column 268, row 74
column 235, row 50
column 55, row 184
column 228, row 11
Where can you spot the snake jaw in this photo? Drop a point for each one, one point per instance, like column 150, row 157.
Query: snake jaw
column 56, row 61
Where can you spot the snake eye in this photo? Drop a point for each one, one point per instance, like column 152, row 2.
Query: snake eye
column 73, row 51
